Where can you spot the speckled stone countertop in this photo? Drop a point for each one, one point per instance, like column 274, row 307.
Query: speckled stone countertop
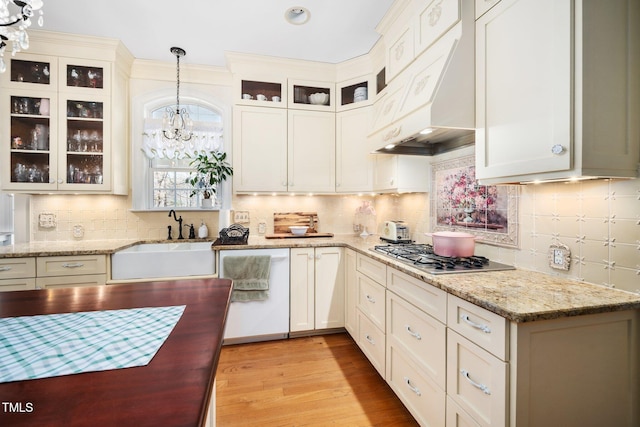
column 517, row 295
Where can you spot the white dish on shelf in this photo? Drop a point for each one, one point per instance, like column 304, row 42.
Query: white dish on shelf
column 298, row 230
column 319, row 98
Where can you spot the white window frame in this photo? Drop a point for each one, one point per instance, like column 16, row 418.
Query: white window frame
column 141, row 180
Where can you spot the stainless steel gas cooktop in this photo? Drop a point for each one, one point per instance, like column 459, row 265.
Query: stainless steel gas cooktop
column 421, row 256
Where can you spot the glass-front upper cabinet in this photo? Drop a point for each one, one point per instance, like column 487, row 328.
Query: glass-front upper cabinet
column 84, row 76
column 262, row 93
column 312, row 95
column 53, row 113
column 32, row 121
column 354, row 93
column 82, row 148
column 37, row 72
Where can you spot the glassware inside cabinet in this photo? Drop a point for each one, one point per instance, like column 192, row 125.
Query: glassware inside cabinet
column 84, row 168
column 30, row 166
column 30, row 71
column 85, row 142
column 82, row 76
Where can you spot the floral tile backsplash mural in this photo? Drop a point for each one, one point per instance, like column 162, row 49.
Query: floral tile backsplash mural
column 462, row 204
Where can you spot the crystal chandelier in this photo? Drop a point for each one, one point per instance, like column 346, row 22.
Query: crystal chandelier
column 13, row 26
column 176, row 124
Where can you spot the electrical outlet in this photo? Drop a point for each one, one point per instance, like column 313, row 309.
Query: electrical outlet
column 241, row 217
column 47, row 220
column 262, row 227
column 559, row 256
column 78, row 231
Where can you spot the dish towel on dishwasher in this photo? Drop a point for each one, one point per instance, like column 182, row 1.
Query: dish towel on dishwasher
column 51, row 345
column 250, row 275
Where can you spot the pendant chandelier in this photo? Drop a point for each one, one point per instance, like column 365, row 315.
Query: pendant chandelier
column 176, row 124
column 13, row 26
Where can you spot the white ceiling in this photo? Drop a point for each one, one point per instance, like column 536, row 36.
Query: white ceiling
column 337, row 30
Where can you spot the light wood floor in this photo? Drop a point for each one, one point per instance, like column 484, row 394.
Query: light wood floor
column 311, row 381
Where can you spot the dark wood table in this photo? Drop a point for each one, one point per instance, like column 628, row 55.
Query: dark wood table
column 174, row 389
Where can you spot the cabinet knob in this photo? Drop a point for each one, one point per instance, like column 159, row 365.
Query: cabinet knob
column 319, row 256
column 60, row 181
column 558, row 149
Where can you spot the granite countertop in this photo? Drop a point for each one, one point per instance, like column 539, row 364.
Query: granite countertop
column 518, row 295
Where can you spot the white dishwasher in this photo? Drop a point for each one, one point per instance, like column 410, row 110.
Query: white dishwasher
column 268, row 319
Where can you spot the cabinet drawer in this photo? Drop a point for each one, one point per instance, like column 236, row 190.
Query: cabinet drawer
column 427, row 298
column 371, row 300
column 481, row 326
column 476, row 380
column 72, row 265
column 424, row 399
column 372, row 343
column 457, row 417
column 71, row 281
column 418, row 335
column 13, row 268
column 17, row 284
column 372, row 268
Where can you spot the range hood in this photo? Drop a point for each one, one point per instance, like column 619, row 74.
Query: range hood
column 447, row 110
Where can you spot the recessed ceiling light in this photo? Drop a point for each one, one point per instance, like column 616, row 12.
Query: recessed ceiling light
column 297, row 15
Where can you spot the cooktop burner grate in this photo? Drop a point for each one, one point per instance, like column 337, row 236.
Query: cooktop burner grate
column 422, row 257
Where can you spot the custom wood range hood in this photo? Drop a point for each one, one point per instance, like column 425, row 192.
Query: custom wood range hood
column 435, row 92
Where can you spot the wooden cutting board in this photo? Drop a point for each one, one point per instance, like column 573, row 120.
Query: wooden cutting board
column 283, row 220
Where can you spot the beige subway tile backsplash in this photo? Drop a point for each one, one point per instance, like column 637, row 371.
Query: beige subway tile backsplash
column 598, row 220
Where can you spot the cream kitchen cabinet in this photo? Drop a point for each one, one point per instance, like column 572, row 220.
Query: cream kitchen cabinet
column 350, row 292
column 278, row 150
column 317, row 289
column 17, row 274
column 311, row 152
column 354, row 162
column 61, row 134
column 258, row 92
column 496, row 367
column 71, row 271
column 301, row 95
column 355, row 93
column 259, row 149
column 370, row 310
column 401, row 174
column 556, row 90
column 416, row 346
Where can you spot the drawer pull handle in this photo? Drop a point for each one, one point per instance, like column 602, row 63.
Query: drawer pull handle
column 413, row 334
column 414, row 389
column 72, row 264
column 482, row 387
column 371, row 299
column 371, row 340
column 483, row 328
column 5, row 268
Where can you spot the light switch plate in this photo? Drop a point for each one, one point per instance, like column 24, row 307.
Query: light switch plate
column 47, row 220
column 241, row 217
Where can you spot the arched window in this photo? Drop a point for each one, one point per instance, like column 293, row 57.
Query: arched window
column 161, row 182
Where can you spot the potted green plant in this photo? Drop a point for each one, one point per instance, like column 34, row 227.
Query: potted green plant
column 211, row 168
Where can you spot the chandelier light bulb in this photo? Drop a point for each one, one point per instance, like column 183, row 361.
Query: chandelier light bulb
column 13, row 27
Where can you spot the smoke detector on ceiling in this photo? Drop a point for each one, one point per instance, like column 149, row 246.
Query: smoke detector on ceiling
column 297, row 15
